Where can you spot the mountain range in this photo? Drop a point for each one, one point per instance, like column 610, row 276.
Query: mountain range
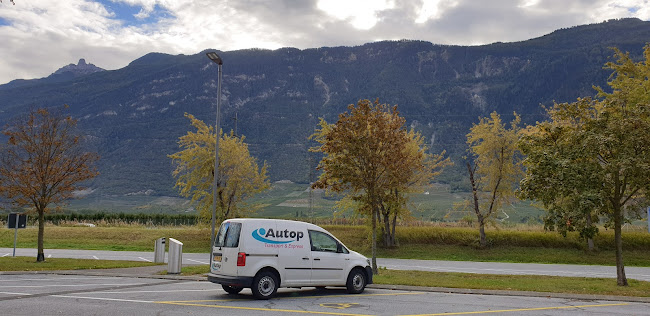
column 134, row 116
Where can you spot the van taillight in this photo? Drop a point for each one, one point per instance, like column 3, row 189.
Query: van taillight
column 241, row 259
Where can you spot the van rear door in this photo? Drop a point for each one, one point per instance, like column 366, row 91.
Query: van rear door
column 226, row 249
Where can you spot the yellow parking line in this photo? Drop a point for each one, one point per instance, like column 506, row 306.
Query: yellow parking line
column 290, row 297
column 194, row 303
column 197, row 301
column 263, row 309
column 520, row 310
column 349, row 296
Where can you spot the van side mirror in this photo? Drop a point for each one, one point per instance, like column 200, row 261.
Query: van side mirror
column 339, row 248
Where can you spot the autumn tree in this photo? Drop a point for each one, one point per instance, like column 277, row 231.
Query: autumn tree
column 43, row 163
column 609, row 166
column 370, row 156
column 422, row 167
column 240, row 177
column 493, row 167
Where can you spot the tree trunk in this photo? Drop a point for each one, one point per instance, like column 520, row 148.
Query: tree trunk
column 374, row 216
column 394, row 240
column 386, row 229
column 40, row 256
column 481, row 230
column 590, row 240
column 621, row 280
column 477, row 211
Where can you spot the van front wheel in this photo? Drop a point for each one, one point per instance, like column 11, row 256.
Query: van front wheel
column 356, row 281
column 265, row 285
column 231, row 289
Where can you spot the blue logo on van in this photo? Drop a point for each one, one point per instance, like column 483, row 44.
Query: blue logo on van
column 258, row 233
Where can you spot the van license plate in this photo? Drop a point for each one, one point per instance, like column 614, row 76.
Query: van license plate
column 216, row 258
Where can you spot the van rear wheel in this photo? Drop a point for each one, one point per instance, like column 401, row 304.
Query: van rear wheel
column 232, row 289
column 265, row 285
column 356, row 281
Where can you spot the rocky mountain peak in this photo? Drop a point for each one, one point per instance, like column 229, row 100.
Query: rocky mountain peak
column 80, row 69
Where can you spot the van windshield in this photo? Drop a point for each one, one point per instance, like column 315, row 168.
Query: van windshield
column 228, row 235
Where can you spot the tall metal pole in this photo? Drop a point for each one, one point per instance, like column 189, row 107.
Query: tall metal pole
column 215, row 58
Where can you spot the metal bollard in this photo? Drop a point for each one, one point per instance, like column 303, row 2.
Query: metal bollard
column 175, row 262
column 159, row 251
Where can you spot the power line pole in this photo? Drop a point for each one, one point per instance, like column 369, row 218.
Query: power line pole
column 235, row 119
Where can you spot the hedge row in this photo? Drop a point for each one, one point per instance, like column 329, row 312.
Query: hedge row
column 118, row 218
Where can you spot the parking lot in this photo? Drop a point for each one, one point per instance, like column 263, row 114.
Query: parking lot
column 47, row 294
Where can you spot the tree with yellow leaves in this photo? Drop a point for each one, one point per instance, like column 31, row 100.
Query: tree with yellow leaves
column 495, row 169
column 239, row 174
column 43, row 163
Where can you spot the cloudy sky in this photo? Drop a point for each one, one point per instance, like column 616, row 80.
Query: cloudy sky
column 39, row 36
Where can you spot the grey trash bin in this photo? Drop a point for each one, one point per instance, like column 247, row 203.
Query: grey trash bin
column 175, row 262
column 159, row 251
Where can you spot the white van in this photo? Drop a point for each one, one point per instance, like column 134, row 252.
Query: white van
column 266, row 254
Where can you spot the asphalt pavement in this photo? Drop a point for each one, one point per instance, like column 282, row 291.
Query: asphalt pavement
column 153, row 273
column 55, row 293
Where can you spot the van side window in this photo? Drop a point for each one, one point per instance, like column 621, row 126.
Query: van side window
column 323, row 242
column 228, row 235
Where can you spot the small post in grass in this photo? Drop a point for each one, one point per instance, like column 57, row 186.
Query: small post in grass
column 16, row 221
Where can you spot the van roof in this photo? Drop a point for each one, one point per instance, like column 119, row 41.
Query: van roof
column 243, row 220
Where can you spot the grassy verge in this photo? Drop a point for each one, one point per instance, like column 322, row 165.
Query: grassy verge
column 550, row 284
column 30, row 264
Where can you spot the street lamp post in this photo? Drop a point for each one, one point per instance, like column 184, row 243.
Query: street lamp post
column 215, row 58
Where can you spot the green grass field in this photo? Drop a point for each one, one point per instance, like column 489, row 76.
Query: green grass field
column 429, row 242
column 440, row 243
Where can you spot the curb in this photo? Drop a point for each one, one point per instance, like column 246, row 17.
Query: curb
column 589, row 297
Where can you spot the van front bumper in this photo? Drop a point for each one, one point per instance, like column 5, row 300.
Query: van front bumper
column 369, row 274
column 230, row 280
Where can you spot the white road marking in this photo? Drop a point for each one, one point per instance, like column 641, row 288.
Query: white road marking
column 102, row 299
column 201, row 262
column 170, row 291
column 59, row 279
column 143, row 259
column 11, row 293
column 6, row 254
column 95, row 257
column 68, row 285
column 49, row 256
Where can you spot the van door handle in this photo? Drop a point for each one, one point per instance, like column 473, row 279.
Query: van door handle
column 305, row 258
column 316, row 259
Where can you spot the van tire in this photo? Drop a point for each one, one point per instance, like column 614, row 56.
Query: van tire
column 265, row 285
column 232, row 289
column 356, row 281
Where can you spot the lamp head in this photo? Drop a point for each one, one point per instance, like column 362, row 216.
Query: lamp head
column 215, row 58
